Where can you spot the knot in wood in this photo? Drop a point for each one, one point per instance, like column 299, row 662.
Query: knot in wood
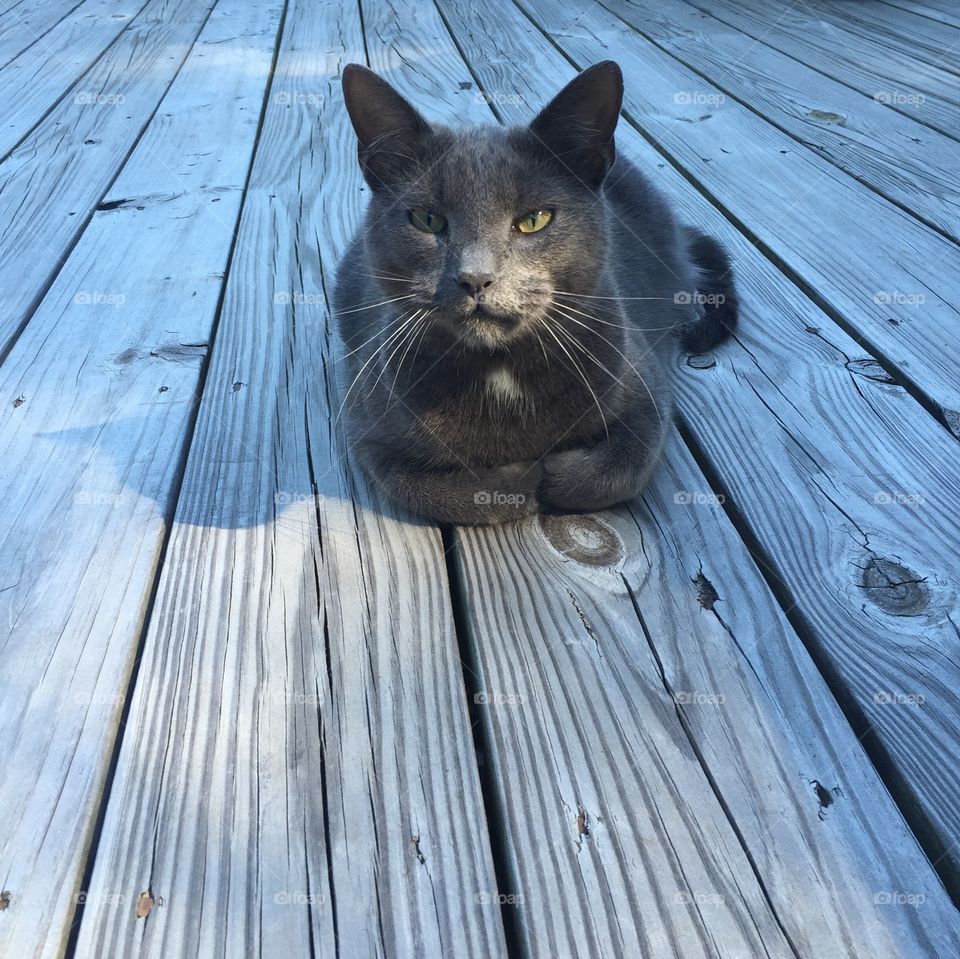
column 701, row 361
column 894, row 588
column 583, row 538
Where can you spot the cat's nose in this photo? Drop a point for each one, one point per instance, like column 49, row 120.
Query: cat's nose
column 475, row 284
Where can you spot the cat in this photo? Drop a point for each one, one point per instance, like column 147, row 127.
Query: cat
column 511, row 306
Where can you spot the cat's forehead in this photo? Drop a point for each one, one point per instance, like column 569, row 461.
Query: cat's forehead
column 481, row 165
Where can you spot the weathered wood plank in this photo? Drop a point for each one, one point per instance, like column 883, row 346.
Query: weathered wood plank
column 51, row 184
column 944, row 13
column 574, row 705
column 934, row 44
column 898, row 295
column 20, row 28
column 300, row 687
column 904, row 160
column 836, row 471
column 35, row 80
column 889, row 76
column 98, row 400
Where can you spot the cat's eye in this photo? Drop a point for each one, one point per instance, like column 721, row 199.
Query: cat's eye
column 427, row 222
column 533, row 222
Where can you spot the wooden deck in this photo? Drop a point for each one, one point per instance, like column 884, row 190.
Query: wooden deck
column 247, row 708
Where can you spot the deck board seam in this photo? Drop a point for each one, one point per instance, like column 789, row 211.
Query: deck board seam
column 104, row 794
column 820, row 154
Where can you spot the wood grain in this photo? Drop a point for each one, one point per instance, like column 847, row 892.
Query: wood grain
column 943, row 12
column 569, row 674
column 98, row 400
column 885, row 73
column 20, row 28
column 830, row 503
column 905, row 161
column 298, row 770
column 32, row 83
column 52, row 183
column 932, row 44
column 898, row 295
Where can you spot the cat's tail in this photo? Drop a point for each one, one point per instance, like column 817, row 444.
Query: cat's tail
column 716, row 294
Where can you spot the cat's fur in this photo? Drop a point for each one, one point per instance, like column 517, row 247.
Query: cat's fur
column 485, row 406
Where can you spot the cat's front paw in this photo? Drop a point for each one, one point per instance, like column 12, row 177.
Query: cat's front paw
column 582, row 480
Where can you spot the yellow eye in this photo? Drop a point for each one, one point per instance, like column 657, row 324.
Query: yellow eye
column 427, row 222
column 533, row 222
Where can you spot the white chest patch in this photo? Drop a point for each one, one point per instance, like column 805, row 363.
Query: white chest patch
column 504, row 386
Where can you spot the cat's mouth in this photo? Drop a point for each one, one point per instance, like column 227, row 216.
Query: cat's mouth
column 485, row 326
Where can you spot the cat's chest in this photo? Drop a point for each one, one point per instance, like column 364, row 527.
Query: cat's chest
column 501, row 416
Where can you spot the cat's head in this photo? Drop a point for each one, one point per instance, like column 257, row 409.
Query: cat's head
column 482, row 225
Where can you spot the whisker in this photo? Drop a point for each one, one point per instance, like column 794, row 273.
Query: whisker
column 656, row 408
column 416, row 352
column 383, row 329
column 409, row 341
column 573, row 341
column 582, row 373
column 370, row 306
column 399, row 343
column 380, row 349
column 388, row 276
column 587, row 296
column 619, row 326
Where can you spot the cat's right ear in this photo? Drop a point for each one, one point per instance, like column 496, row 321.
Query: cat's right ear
column 388, row 128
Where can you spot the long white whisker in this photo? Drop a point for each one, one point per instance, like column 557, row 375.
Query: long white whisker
column 383, row 329
column 409, row 341
column 619, row 326
column 587, row 296
column 656, row 408
column 370, row 306
column 380, row 349
column 582, row 373
column 573, row 341
column 399, row 344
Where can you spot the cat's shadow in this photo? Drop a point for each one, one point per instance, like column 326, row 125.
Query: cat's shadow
column 253, row 487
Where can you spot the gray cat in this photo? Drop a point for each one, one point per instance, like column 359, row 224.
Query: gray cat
column 511, row 307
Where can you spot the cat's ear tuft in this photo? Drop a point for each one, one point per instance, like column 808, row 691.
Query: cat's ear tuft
column 389, row 130
column 577, row 124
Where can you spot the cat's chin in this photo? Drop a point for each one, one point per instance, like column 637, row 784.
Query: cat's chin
column 486, row 330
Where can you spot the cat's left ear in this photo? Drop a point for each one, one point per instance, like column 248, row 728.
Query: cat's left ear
column 577, row 124
column 388, row 128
